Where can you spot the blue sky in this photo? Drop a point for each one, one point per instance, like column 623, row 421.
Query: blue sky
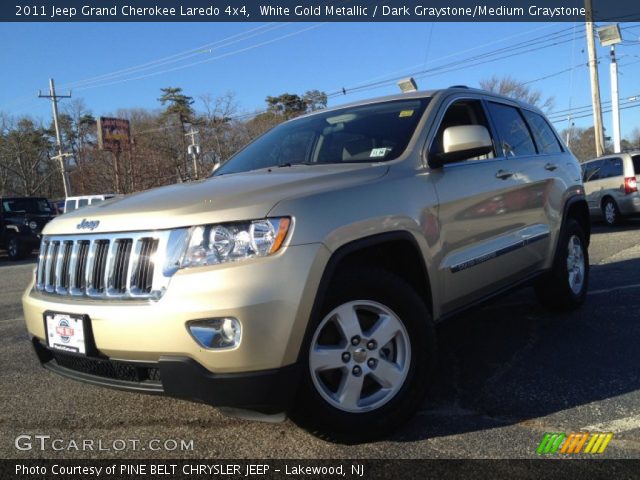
column 256, row 59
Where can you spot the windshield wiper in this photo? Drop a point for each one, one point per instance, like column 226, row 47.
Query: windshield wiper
column 289, row 164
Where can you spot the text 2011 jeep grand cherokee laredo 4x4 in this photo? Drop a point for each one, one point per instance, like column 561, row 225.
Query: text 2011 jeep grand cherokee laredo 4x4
column 307, row 273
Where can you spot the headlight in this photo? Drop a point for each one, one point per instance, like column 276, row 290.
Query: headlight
column 230, row 242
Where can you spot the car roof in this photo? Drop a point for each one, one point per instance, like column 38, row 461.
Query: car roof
column 22, row 198
column 426, row 94
column 97, row 195
column 613, row 155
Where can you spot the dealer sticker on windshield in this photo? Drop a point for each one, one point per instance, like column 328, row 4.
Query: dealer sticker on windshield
column 378, row 152
column 65, row 332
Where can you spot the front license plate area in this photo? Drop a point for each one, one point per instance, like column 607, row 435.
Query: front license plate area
column 66, row 332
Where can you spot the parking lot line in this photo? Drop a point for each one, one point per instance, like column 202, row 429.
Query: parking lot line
column 613, row 289
column 616, row 426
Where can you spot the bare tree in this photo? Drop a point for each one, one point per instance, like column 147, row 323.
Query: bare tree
column 513, row 88
column 25, row 157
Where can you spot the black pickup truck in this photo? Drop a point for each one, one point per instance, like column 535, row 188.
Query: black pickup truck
column 21, row 221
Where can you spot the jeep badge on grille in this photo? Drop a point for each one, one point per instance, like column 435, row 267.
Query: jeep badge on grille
column 88, row 224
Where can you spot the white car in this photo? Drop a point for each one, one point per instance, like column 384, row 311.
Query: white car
column 74, row 203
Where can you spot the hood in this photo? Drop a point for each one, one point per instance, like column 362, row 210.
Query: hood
column 225, row 198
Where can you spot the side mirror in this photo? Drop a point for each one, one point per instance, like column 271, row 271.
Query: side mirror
column 462, row 142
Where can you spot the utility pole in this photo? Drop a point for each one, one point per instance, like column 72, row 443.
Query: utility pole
column 61, row 157
column 595, row 81
column 193, row 150
column 615, row 102
column 569, row 130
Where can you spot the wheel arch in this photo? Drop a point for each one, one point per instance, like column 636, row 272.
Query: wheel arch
column 400, row 254
column 578, row 209
column 605, row 197
column 575, row 208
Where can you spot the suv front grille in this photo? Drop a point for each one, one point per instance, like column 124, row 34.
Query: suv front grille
column 127, row 265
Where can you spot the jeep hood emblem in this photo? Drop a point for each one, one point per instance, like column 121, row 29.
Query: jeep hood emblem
column 88, row 224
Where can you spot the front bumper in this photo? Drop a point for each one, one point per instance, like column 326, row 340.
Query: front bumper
column 271, row 297
column 268, row 392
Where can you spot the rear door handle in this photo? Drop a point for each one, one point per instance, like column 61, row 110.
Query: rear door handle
column 503, row 174
column 550, row 166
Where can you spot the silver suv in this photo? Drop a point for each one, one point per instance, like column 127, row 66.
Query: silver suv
column 306, row 275
column 611, row 186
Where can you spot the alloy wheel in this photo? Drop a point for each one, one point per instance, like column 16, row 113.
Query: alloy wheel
column 575, row 264
column 360, row 356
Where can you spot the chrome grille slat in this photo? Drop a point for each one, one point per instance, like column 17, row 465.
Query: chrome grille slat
column 96, row 286
column 79, row 278
column 129, row 265
column 52, row 253
column 44, row 245
column 62, row 267
column 143, row 271
column 73, row 266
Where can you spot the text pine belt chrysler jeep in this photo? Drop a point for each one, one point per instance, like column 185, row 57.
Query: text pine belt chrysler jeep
column 305, row 276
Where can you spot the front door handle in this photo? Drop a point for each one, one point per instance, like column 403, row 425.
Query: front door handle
column 503, row 174
column 550, row 166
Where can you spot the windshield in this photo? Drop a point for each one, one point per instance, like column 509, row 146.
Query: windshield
column 27, row 205
column 367, row 133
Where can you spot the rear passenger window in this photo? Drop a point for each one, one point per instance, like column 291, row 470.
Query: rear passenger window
column 611, row 168
column 591, row 171
column 542, row 133
column 636, row 164
column 514, row 134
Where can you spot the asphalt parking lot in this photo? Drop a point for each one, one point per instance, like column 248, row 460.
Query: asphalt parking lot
column 508, row 372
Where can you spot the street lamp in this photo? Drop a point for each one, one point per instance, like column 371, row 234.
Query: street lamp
column 408, row 85
column 610, row 36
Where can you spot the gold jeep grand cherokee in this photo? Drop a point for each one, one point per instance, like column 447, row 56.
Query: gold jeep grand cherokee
column 305, row 276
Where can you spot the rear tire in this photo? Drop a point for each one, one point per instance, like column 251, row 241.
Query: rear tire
column 565, row 287
column 368, row 359
column 610, row 212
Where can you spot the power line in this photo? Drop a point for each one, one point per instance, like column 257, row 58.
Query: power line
column 228, row 54
column 555, row 74
column 567, row 111
column 570, row 31
column 520, row 48
column 625, row 106
column 178, row 57
column 455, row 54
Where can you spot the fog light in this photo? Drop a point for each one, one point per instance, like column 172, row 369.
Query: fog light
column 216, row 333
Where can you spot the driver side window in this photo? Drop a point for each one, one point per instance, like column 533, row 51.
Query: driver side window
column 459, row 113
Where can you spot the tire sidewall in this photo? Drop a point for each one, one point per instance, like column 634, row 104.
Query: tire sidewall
column 573, row 229
column 13, row 248
column 616, row 212
column 392, row 292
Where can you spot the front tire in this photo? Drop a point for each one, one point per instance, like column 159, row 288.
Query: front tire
column 565, row 288
column 368, row 359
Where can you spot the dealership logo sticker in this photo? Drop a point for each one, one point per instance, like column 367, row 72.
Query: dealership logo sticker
column 574, row 443
column 64, row 330
column 88, row 224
